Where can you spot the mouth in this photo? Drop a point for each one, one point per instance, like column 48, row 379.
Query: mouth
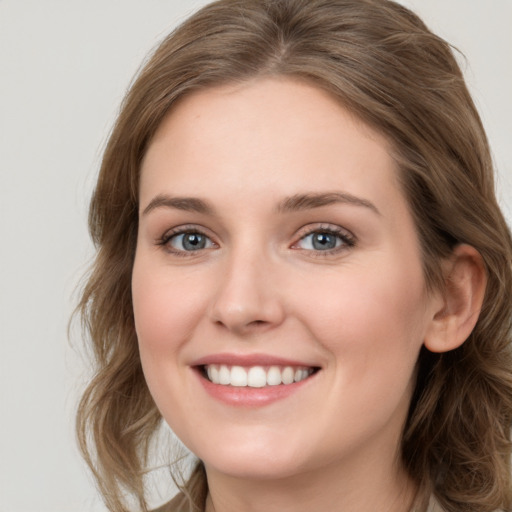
column 255, row 376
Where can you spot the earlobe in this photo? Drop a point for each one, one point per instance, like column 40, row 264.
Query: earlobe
column 462, row 298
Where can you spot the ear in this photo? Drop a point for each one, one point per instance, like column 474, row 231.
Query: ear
column 461, row 299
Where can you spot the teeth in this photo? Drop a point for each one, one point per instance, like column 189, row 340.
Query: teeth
column 255, row 376
column 274, row 376
column 288, row 375
column 238, row 377
column 213, row 373
column 224, row 375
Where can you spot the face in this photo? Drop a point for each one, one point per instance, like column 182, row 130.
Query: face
column 278, row 291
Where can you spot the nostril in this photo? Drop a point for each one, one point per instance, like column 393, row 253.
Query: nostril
column 257, row 323
column 253, row 326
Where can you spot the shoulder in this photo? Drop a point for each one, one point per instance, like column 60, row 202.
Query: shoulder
column 434, row 506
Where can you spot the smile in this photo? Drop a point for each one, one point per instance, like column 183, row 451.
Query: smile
column 255, row 376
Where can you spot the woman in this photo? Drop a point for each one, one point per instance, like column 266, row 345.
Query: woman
column 302, row 269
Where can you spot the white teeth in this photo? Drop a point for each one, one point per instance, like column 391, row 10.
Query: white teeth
column 274, row 376
column 288, row 375
column 224, row 375
column 213, row 373
column 238, row 376
column 255, row 376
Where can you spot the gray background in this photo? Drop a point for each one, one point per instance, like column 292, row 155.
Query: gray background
column 64, row 66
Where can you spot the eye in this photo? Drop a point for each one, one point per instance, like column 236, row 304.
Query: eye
column 184, row 241
column 325, row 240
column 190, row 242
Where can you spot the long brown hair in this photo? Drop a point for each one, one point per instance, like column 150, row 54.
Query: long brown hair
column 381, row 62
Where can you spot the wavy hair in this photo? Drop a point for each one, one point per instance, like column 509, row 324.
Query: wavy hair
column 381, row 62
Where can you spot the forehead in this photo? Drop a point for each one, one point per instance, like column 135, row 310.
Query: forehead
column 266, row 133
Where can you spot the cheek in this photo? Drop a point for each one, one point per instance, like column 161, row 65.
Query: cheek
column 165, row 314
column 372, row 323
column 166, row 311
column 370, row 316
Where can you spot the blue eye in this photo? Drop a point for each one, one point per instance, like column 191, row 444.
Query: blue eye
column 189, row 241
column 324, row 240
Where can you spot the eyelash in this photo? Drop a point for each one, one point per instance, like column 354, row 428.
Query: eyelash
column 347, row 240
column 183, row 230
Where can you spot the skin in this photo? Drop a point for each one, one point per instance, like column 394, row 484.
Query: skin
column 360, row 313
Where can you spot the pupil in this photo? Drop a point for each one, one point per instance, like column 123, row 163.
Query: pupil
column 323, row 241
column 194, row 242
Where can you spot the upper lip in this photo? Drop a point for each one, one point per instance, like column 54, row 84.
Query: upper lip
column 249, row 360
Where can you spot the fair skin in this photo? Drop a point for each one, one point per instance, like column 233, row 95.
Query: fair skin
column 273, row 234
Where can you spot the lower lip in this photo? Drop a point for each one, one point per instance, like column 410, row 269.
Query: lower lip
column 251, row 397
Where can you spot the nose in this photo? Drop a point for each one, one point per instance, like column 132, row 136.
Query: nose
column 248, row 297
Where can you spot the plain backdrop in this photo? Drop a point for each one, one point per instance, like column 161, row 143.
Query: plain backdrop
column 64, row 67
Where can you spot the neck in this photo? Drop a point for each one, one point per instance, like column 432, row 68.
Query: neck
column 356, row 489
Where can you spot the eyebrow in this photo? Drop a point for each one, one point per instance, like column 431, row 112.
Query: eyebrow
column 189, row 204
column 309, row 201
column 297, row 202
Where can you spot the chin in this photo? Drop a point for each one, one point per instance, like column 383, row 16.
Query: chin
column 261, row 469
column 251, row 462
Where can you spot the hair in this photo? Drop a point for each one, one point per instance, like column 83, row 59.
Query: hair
column 380, row 62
